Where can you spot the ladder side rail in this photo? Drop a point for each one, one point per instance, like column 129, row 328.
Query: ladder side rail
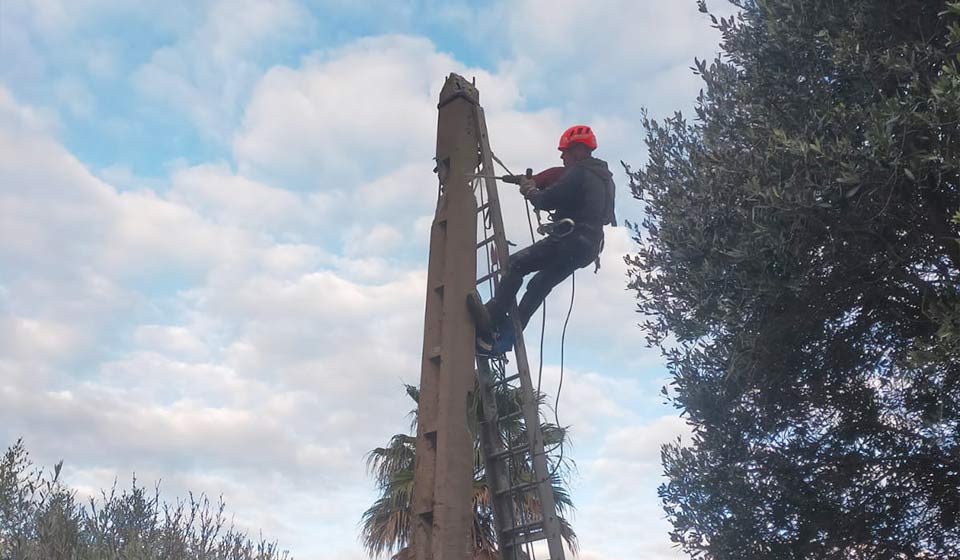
column 493, row 196
column 531, row 416
column 497, row 467
column 531, row 413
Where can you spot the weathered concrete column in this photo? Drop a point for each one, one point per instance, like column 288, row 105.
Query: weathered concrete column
column 443, row 475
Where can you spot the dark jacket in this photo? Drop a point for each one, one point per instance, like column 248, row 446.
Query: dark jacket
column 585, row 194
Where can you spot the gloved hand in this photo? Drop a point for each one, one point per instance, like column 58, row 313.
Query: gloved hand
column 527, row 186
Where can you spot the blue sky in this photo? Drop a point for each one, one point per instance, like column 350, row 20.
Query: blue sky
column 213, row 234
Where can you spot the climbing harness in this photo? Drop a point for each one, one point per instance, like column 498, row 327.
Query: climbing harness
column 560, row 228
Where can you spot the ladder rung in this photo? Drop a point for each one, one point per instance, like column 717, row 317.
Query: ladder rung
column 512, row 451
column 486, row 277
column 506, row 380
column 522, row 534
column 525, row 528
column 486, row 241
column 518, row 488
column 525, row 538
column 506, row 417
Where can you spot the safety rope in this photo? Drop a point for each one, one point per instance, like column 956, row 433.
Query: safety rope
column 543, row 325
column 530, row 551
column 563, row 337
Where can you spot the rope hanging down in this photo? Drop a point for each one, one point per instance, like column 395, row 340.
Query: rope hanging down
column 543, row 323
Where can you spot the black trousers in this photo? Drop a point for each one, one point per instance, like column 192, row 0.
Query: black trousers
column 553, row 259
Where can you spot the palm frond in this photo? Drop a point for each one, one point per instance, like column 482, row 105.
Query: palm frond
column 399, row 455
column 414, row 393
column 386, row 525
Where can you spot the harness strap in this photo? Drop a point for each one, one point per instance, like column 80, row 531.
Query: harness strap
column 596, row 261
column 561, row 228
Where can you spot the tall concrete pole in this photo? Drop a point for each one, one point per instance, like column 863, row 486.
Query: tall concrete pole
column 443, row 474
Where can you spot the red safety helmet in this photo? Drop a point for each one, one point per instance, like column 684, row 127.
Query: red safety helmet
column 578, row 133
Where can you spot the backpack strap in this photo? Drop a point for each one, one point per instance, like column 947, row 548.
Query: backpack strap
column 609, row 213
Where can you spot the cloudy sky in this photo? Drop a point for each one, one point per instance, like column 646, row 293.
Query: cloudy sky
column 213, row 240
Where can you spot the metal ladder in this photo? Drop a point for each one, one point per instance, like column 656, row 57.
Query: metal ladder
column 512, row 444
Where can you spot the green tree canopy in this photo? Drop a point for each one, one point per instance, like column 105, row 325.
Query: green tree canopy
column 798, row 263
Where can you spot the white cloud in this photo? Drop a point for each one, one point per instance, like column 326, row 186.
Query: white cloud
column 272, row 356
column 44, row 37
column 58, row 16
column 230, row 199
column 589, row 402
column 377, row 240
column 93, row 424
column 350, row 114
column 150, row 234
column 93, row 246
column 171, row 340
column 289, row 259
column 622, row 479
column 207, row 73
column 25, row 337
column 319, row 295
column 610, row 56
column 635, row 450
column 401, row 191
column 605, row 310
column 59, row 218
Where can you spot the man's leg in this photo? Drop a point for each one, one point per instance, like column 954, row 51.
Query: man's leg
column 540, row 286
column 571, row 252
column 542, row 254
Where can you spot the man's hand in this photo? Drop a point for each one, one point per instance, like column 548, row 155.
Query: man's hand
column 527, row 186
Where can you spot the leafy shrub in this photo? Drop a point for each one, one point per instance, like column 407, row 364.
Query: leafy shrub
column 41, row 519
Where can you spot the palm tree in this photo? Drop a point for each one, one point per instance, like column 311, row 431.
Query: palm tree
column 385, row 526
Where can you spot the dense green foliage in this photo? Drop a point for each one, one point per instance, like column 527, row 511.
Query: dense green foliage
column 799, row 263
column 41, row 519
column 385, row 526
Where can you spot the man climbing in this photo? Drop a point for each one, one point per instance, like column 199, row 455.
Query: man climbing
column 580, row 200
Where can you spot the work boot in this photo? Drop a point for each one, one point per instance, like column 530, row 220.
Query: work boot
column 485, row 347
column 481, row 317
